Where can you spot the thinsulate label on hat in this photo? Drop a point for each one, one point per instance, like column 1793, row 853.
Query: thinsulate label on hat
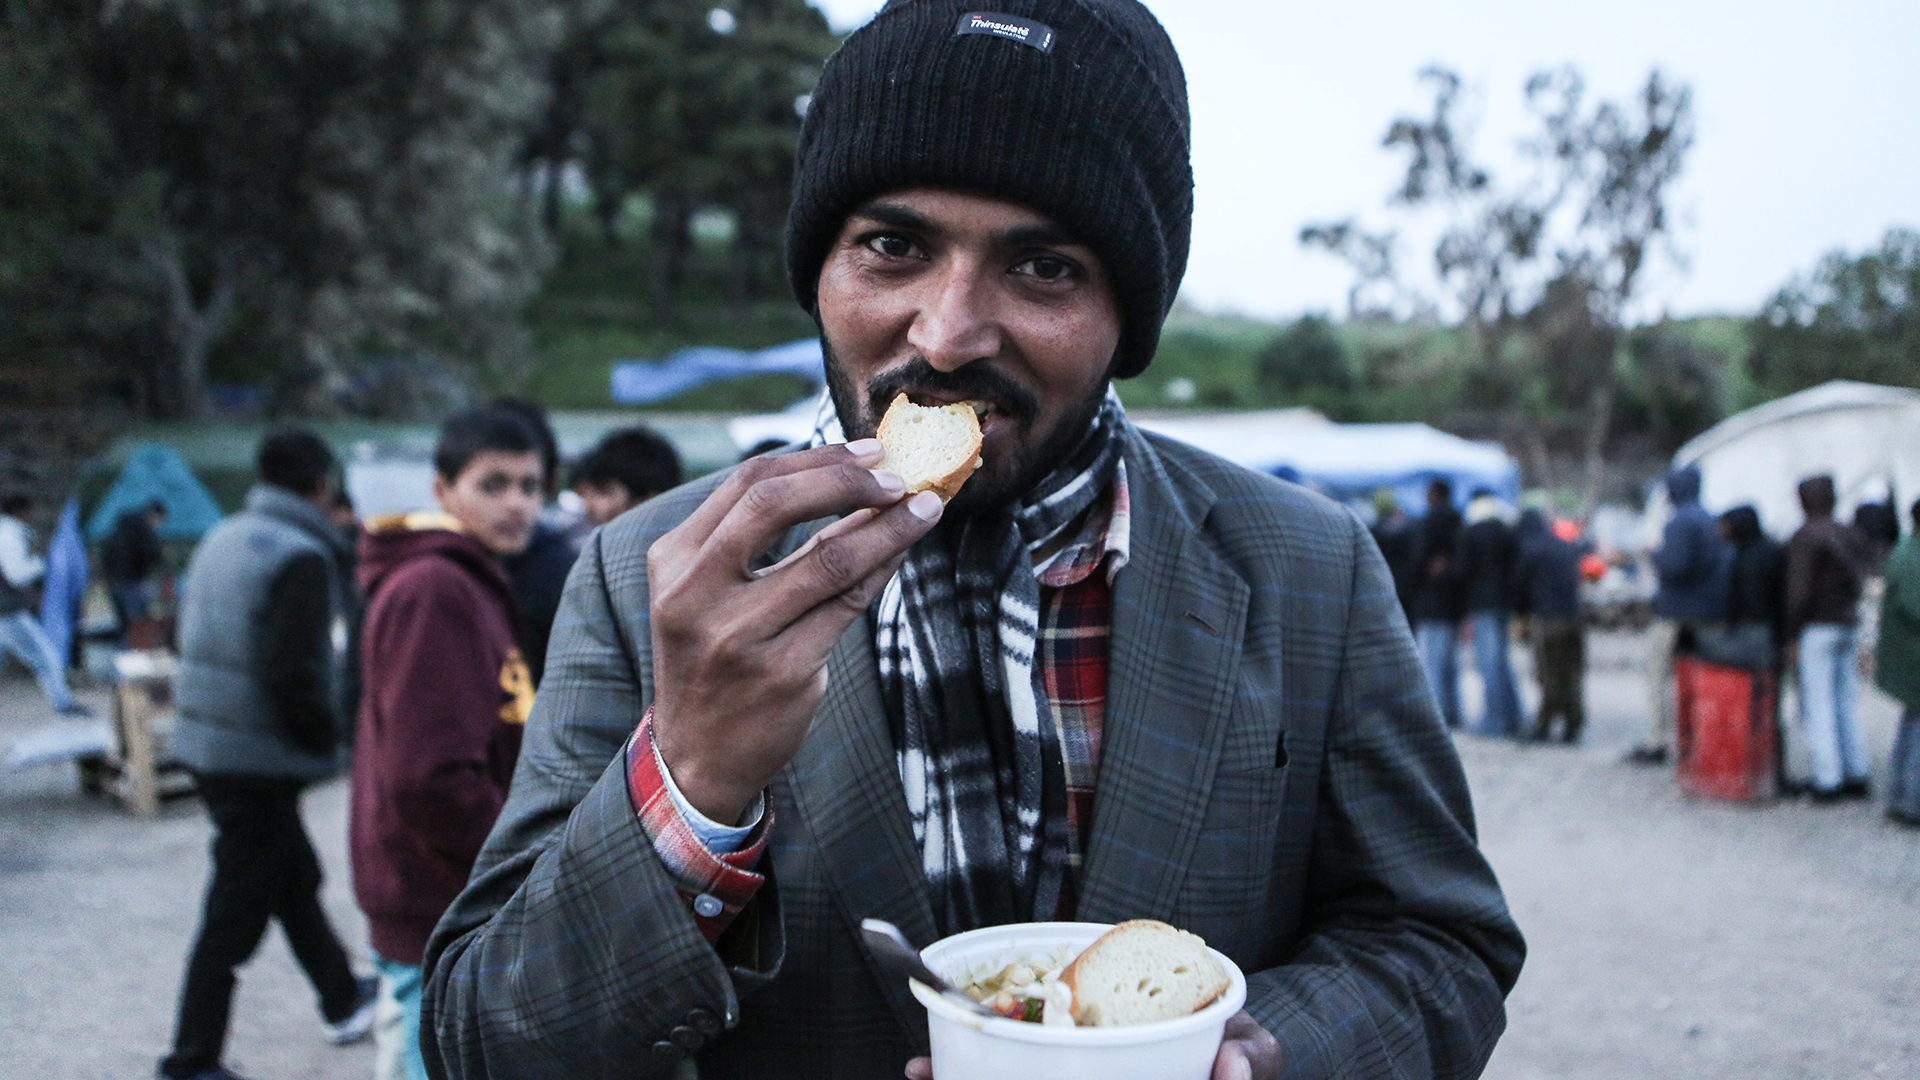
column 1012, row 27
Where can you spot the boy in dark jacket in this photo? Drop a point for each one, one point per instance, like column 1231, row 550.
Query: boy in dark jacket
column 1547, row 587
column 1486, row 588
column 445, row 694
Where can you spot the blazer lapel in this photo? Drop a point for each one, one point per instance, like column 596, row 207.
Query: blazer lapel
column 845, row 785
column 1179, row 613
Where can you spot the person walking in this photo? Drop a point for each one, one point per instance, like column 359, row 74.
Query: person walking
column 1826, row 569
column 128, row 557
column 444, row 693
column 260, row 719
column 1486, row 589
column 21, row 635
column 1437, row 605
column 1547, row 593
column 1897, row 671
column 1691, row 567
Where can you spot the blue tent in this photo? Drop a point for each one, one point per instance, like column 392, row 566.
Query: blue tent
column 637, row 382
column 157, row 472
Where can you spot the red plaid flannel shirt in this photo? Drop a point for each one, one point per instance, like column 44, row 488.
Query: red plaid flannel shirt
column 1076, row 607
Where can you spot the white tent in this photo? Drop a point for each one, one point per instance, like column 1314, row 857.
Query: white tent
column 1347, row 461
column 1866, row 437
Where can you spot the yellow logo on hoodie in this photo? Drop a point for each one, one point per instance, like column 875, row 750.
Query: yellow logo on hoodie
column 517, row 681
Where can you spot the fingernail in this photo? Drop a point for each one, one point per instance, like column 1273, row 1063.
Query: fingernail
column 889, row 481
column 926, row 506
column 866, row 448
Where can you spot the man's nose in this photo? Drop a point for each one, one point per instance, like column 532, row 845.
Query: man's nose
column 957, row 322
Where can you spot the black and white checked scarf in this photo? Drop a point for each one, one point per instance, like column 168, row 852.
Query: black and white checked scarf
column 978, row 756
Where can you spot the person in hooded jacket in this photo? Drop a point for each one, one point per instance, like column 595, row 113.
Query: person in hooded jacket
column 1691, row 566
column 1547, row 592
column 445, row 695
column 1897, row 670
column 1827, row 564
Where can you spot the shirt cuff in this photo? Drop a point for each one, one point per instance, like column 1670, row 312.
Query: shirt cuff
column 716, row 885
column 715, row 837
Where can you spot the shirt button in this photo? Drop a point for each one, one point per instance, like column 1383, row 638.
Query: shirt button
column 708, row 906
column 686, row 1038
column 704, row 1021
column 668, row 1049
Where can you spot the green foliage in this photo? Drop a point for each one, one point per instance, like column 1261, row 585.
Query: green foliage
column 1306, row 355
column 1855, row 317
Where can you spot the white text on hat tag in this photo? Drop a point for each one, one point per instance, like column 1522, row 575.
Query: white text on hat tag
column 1012, row 27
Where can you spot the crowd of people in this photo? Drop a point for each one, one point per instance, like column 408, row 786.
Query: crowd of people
column 400, row 648
column 1725, row 591
column 1471, row 576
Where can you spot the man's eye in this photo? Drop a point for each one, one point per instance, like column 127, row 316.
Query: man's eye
column 1048, row 268
column 892, row 245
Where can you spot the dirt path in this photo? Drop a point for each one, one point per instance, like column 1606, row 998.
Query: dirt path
column 1669, row 938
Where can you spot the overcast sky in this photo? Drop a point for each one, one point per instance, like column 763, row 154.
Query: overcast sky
column 1807, row 117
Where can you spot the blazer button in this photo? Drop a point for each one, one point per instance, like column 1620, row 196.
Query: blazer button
column 705, row 1021
column 669, row 1050
column 686, row 1038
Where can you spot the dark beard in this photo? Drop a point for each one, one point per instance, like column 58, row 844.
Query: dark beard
column 992, row 488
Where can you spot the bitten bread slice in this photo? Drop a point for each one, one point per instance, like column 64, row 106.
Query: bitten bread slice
column 1142, row 971
column 932, row 448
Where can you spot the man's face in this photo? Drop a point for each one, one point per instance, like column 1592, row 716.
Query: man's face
column 496, row 498
column 604, row 502
column 952, row 297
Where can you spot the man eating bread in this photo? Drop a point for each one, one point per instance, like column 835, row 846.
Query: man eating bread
column 1113, row 678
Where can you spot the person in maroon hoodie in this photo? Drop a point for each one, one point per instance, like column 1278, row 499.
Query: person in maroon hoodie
column 445, row 696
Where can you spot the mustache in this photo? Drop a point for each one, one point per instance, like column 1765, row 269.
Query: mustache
column 975, row 380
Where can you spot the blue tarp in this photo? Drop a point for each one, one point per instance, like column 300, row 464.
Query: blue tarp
column 66, row 582
column 157, row 472
column 637, row 382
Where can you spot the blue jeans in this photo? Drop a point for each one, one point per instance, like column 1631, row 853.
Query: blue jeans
column 1829, row 704
column 1903, row 780
column 20, row 634
column 1439, row 644
column 1501, row 715
column 396, row 1026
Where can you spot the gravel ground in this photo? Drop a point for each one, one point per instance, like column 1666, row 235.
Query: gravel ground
column 1669, row 937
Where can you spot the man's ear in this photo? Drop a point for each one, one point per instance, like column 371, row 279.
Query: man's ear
column 440, row 488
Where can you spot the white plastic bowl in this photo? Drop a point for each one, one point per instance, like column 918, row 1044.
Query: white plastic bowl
column 967, row 1046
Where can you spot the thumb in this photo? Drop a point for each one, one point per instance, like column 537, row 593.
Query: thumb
column 1232, row 1065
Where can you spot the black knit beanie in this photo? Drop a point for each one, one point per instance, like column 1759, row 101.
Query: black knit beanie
column 1076, row 108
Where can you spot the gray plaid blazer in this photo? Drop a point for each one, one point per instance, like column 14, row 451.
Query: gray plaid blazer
column 1273, row 777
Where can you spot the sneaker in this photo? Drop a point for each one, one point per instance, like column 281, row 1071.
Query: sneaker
column 1647, row 755
column 358, row 1023
column 1856, row 789
column 75, row 708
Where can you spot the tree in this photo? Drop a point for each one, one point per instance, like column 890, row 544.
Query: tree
column 1541, row 271
column 1305, row 357
column 701, row 108
column 309, row 184
column 1854, row 317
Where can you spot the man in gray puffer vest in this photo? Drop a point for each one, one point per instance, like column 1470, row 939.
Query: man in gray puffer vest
column 260, row 693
